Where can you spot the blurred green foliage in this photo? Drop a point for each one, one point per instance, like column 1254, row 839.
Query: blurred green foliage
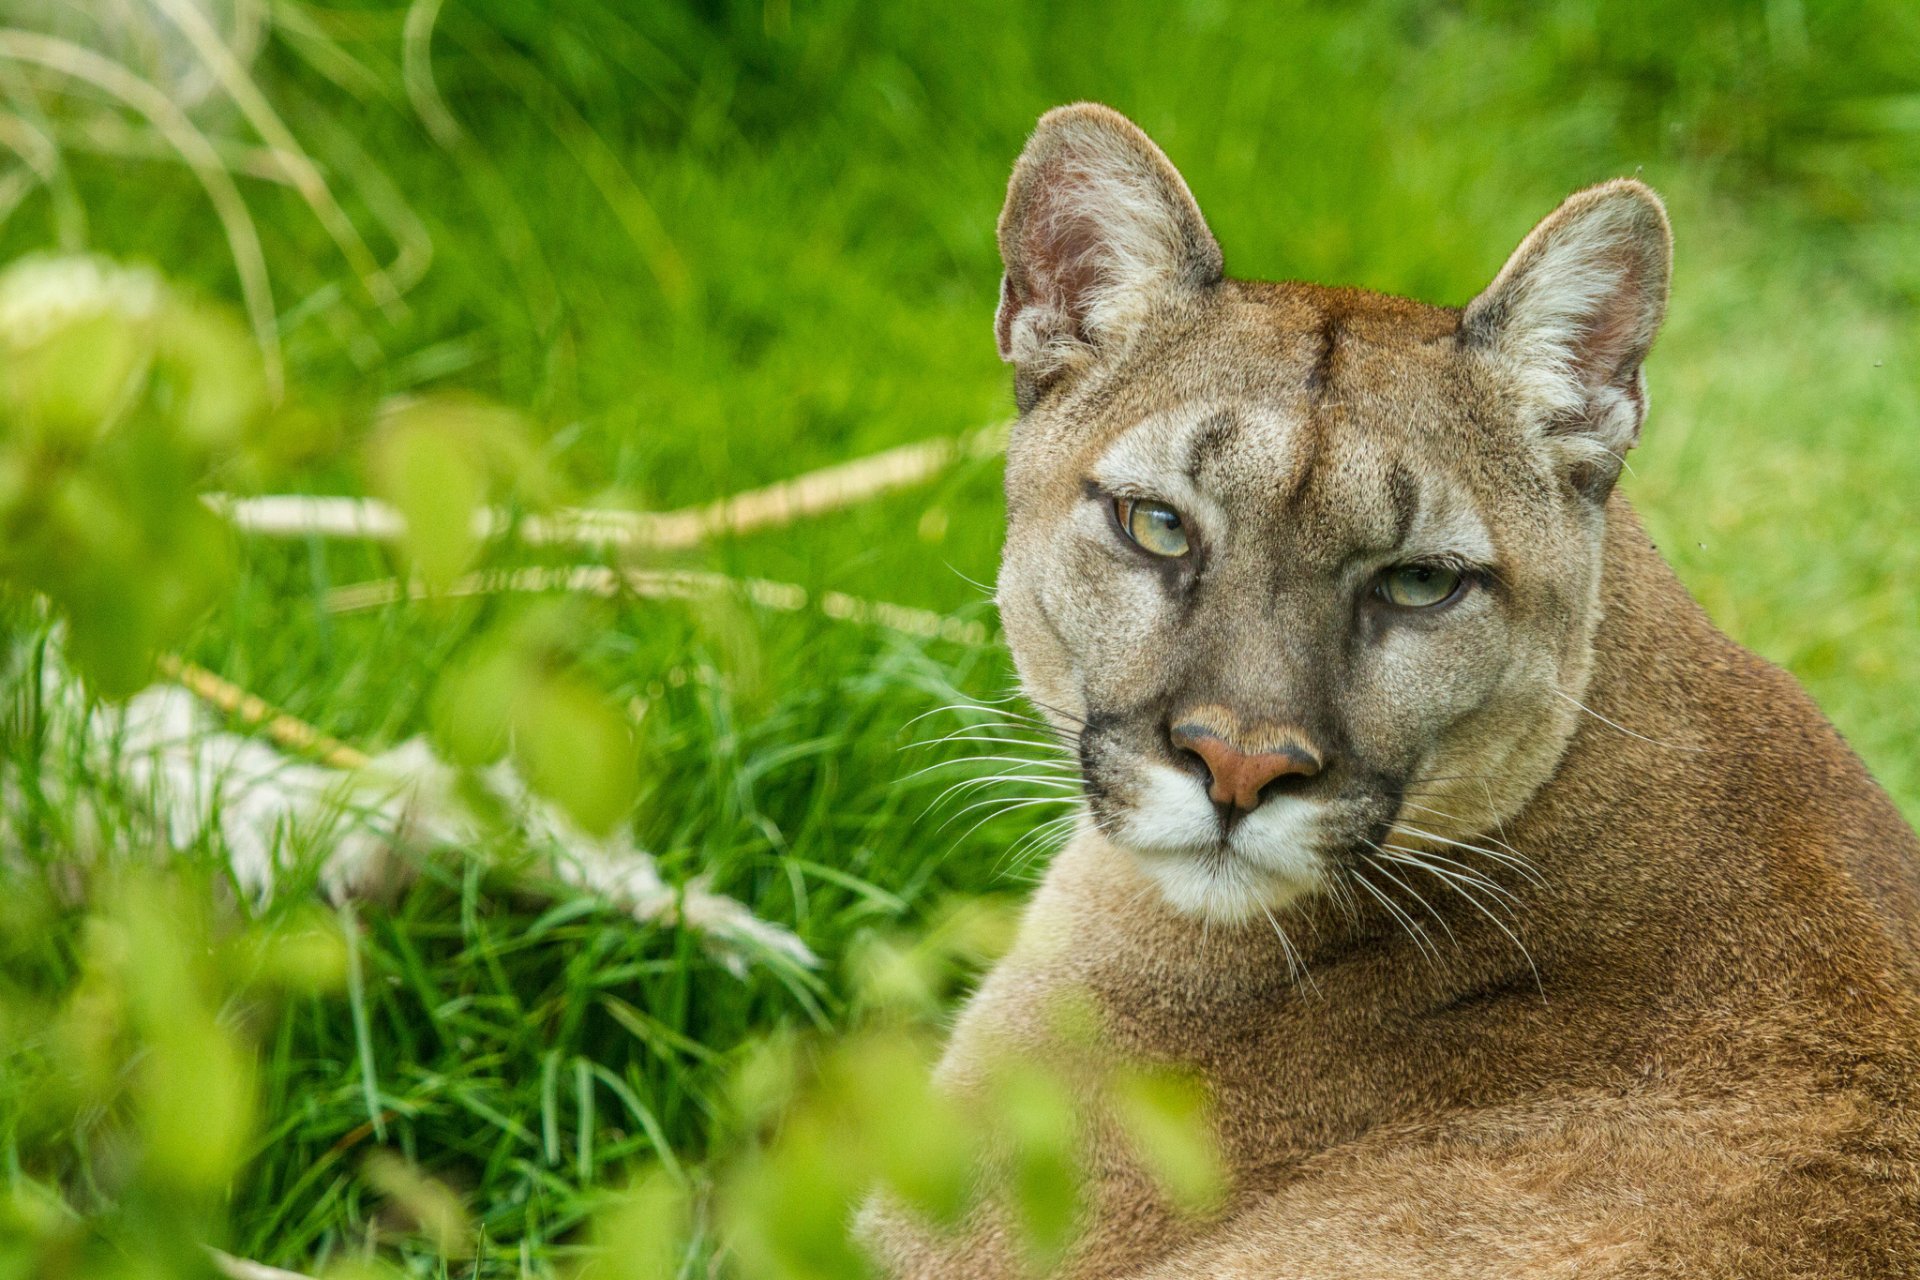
column 118, row 395
column 131, row 1097
column 502, row 255
column 520, row 691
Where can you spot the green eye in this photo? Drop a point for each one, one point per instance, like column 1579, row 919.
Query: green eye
column 1418, row 586
column 1154, row 525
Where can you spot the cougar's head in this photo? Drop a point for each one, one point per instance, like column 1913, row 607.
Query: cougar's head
column 1301, row 568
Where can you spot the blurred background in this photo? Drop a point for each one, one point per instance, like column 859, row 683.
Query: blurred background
column 539, row 258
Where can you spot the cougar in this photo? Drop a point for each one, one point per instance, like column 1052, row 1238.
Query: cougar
column 1516, row 921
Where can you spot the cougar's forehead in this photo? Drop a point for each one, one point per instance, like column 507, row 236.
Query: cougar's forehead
column 1300, row 367
column 1277, row 474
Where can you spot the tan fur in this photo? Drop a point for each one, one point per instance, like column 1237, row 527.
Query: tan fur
column 1693, row 1049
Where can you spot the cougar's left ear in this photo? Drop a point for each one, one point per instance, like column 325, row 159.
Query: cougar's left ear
column 1098, row 230
column 1570, row 318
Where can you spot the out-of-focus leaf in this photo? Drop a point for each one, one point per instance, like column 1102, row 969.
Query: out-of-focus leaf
column 472, row 706
column 208, row 380
column 789, row 1203
column 1037, row 1110
column 425, row 466
column 1165, row 1115
column 520, row 691
column 575, row 747
column 766, row 1080
column 302, row 952
column 66, row 387
column 440, row 459
column 196, row 1080
column 895, row 976
column 640, row 1237
column 118, row 395
column 426, row 1205
column 924, row 1146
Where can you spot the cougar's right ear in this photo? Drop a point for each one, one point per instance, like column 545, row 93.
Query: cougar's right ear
column 1099, row 229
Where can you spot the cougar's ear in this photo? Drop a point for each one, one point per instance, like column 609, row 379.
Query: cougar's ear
column 1098, row 229
column 1572, row 315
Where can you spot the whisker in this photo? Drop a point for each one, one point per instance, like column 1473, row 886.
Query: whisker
column 993, row 800
column 1012, row 742
column 1296, row 968
column 974, row 732
column 1490, row 808
column 982, row 722
column 1503, row 897
column 1064, row 714
column 987, row 592
column 1005, row 808
column 1057, row 765
column 1349, row 904
column 1044, row 833
column 1417, row 896
column 1518, row 861
column 1002, row 706
column 1671, row 746
column 1031, row 849
column 1139, row 896
column 989, row 716
column 998, row 717
column 968, row 785
column 1454, row 817
column 1500, row 925
column 1407, row 922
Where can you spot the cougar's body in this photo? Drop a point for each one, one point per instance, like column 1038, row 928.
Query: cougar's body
column 1633, row 985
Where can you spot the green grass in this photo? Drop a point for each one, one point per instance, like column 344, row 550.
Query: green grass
column 707, row 246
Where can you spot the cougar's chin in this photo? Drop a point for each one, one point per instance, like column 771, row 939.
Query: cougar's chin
column 1206, row 869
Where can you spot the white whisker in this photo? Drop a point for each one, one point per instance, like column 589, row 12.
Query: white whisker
column 1517, row 861
column 1435, row 862
column 1296, row 968
column 1417, row 896
column 1482, row 909
column 969, row 785
column 1006, row 808
column 1407, row 922
column 964, row 760
column 1671, row 746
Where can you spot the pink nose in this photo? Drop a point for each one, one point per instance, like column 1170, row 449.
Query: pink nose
column 1240, row 776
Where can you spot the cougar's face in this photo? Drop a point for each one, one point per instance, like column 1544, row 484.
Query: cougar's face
column 1291, row 589
column 1302, row 571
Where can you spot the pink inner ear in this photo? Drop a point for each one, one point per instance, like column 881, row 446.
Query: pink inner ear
column 1611, row 344
column 1063, row 254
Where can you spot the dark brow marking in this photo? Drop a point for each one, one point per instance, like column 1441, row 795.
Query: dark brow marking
column 1403, row 491
column 1319, row 384
column 1320, row 377
column 1212, row 435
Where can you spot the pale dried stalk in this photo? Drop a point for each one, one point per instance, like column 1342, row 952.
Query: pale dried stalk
column 665, row 584
column 256, row 713
column 814, row 493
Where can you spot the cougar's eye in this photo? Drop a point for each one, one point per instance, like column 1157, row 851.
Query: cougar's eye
column 1419, row 586
column 1154, row 525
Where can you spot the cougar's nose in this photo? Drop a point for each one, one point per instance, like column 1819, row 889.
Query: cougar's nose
column 1239, row 777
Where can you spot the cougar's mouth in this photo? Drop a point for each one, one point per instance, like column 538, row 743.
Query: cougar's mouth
column 1222, row 866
